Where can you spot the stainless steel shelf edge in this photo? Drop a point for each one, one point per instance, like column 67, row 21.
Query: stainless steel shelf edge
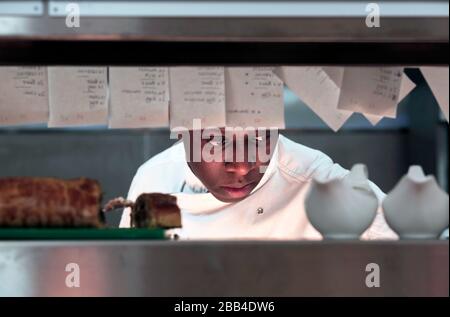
column 297, row 30
column 252, row 268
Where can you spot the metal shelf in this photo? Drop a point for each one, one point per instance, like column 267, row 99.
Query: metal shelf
column 224, row 268
column 410, row 39
column 242, row 21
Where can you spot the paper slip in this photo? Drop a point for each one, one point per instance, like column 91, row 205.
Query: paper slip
column 77, row 96
column 197, row 93
column 335, row 73
column 317, row 90
column 406, row 87
column 374, row 120
column 139, row 97
column 371, row 90
column 254, row 98
column 437, row 79
column 23, row 95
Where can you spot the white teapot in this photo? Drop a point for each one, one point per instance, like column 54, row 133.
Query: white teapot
column 417, row 208
column 342, row 208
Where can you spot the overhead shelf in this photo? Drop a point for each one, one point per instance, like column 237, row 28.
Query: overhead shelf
column 300, row 28
column 232, row 32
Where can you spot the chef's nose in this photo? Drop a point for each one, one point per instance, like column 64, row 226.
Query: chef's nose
column 240, row 168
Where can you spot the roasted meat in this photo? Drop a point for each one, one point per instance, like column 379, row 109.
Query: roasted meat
column 50, row 202
column 151, row 210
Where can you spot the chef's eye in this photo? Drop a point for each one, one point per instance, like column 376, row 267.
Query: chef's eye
column 218, row 141
column 258, row 139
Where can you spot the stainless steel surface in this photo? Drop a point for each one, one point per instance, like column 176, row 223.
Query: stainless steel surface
column 338, row 27
column 228, row 29
column 27, row 7
column 253, row 8
column 248, row 268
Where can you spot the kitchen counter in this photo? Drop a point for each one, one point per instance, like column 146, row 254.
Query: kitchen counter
column 224, row 268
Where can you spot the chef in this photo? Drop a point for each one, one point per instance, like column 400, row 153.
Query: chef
column 257, row 195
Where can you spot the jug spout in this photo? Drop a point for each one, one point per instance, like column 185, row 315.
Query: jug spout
column 416, row 174
column 359, row 173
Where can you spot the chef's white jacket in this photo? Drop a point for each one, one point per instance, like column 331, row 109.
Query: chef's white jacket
column 274, row 209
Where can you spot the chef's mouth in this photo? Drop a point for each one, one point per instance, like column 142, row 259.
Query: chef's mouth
column 237, row 190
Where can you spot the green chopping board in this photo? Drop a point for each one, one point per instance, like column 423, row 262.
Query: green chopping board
column 81, row 234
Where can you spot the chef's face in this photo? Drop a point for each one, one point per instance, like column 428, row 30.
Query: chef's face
column 231, row 165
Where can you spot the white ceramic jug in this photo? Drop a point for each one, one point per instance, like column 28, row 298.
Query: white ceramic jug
column 342, row 208
column 417, row 208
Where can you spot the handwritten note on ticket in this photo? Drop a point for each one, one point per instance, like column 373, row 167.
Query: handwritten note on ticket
column 23, row 95
column 77, row 96
column 437, row 79
column 254, row 97
column 336, row 74
column 319, row 92
column 371, row 90
column 139, row 97
column 197, row 93
column 406, row 86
